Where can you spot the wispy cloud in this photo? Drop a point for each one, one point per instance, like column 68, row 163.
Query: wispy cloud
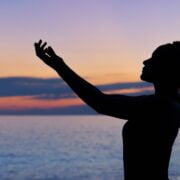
column 27, row 95
column 55, row 88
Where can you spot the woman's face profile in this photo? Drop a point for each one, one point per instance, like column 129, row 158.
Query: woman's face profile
column 158, row 68
column 152, row 67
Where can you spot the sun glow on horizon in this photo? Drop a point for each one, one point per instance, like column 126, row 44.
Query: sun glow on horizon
column 29, row 102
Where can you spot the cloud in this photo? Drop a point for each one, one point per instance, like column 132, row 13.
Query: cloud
column 75, row 110
column 56, row 88
column 50, row 88
column 52, row 96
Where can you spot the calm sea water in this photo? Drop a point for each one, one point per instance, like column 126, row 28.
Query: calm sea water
column 65, row 148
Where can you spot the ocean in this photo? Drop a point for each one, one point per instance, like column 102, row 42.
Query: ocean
column 66, row 148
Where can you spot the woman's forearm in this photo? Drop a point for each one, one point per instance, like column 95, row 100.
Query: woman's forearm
column 113, row 105
column 86, row 91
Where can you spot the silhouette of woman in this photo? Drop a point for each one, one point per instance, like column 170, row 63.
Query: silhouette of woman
column 153, row 120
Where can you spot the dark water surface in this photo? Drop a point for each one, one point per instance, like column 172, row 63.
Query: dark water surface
column 65, row 148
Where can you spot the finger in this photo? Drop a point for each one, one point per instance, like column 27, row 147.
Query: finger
column 39, row 42
column 43, row 46
column 35, row 44
column 39, row 51
column 37, row 47
column 46, row 50
column 51, row 51
column 50, row 48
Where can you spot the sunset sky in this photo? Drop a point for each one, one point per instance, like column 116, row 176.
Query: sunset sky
column 104, row 41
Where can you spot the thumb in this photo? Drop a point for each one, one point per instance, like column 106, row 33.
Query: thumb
column 50, row 51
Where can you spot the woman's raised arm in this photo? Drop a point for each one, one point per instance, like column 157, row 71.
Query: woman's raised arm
column 113, row 105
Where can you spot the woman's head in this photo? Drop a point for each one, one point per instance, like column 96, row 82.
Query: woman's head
column 164, row 65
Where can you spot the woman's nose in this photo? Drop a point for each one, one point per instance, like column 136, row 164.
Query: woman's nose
column 146, row 62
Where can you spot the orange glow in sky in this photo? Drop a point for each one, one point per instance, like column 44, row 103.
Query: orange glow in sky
column 27, row 102
column 103, row 41
column 95, row 38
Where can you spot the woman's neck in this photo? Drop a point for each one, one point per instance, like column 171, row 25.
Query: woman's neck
column 166, row 90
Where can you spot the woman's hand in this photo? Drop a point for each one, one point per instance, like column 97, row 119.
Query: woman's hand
column 47, row 55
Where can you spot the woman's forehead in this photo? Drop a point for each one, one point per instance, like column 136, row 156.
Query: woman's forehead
column 163, row 50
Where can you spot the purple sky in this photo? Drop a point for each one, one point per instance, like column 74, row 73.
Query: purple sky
column 95, row 37
column 104, row 41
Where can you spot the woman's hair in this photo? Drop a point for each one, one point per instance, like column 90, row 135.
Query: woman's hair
column 170, row 50
column 168, row 56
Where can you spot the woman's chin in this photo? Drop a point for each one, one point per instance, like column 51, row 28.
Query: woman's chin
column 142, row 77
column 146, row 78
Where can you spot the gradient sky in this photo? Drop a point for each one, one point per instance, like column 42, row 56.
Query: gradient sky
column 95, row 37
column 104, row 41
